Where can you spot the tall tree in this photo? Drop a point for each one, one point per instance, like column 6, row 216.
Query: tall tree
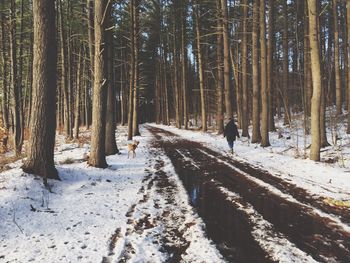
column 131, row 69
column 270, row 62
column 316, row 80
column 336, row 59
column 226, row 40
column 200, row 67
column 4, row 71
column 41, row 144
column 110, row 142
column 97, row 153
column 219, row 75
column 263, row 73
column 348, row 42
column 65, row 82
column 15, row 84
column 285, row 88
column 245, row 100
column 184, row 62
column 80, row 70
column 256, row 137
column 91, row 40
column 135, row 125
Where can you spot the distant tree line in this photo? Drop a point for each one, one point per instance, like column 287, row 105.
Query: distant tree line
column 97, row 63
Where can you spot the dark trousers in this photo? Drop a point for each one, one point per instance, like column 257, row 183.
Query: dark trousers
column 230, row 144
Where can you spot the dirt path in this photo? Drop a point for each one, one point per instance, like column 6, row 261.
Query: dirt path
column 160, row 225
column 233, row 198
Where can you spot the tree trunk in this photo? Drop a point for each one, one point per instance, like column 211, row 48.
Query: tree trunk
column 256, row 137
column 80, row 70
column 307, row 69
column 135, row 125
column 238, row 88
column 184, row 62
column 200, row 69
column 28, row 108
column 175, row 71
column 41, row 144
column 348, row 54
column 110, row 142
column 220, row 77
column 4, row 71
column 227, row 83
column 64, row 79
column 97, row 154
column 285, row 93
column 245, row 94
column 15, row 84
column 132, row 70
column 338, row 94
column 264, row 92
column 270, row 64
column 20, row 71
column 316, row 81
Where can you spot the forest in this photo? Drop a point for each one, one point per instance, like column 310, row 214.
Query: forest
column 186, row 62
column 115, row 117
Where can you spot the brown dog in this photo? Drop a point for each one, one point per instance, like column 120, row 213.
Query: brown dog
column 132, row 147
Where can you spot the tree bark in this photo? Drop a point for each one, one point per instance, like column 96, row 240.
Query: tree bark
column 245, row 100
column 184, row 63
column 64, row 78
column 270, row 63
column 227, row 83
column 285, row 93
column 237, row 88
column 135, row 125
column 219, row 75
column 264, row 92
column 338, row 93
column 256, row 137
column 15, row 84
column 80, row 70
column 200, row 69
column 4, row 71
column 110, row 142
column 348, row 54
column 132, row 71
column 41, row 144
column 316, row 81
column 97, row 154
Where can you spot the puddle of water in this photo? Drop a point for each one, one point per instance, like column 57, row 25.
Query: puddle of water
column 230, row 228
column 224, row 225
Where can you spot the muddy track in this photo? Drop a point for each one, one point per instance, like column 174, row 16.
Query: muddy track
column 310, row 232
column 142, row 224
column 298, row 193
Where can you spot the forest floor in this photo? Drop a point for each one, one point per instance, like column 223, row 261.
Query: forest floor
column 182, row 199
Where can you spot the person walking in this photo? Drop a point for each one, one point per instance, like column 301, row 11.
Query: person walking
column 231, row 132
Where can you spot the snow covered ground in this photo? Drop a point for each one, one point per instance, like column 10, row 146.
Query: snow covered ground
column 137, row 210
column 93, row 214
column 284, row 158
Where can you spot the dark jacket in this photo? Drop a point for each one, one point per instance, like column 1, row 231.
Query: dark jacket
column 231, row 131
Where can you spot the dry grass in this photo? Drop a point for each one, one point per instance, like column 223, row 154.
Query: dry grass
column 84, row 139
column 5, row 160
column 68, row 161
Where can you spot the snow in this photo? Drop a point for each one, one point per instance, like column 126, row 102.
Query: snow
column 137, row 209
column 318, row 178
column 75, row 222
column 280, row 249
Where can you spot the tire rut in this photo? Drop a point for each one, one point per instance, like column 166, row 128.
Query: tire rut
column 314, row 234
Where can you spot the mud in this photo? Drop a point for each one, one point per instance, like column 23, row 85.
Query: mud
column 229, row 227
